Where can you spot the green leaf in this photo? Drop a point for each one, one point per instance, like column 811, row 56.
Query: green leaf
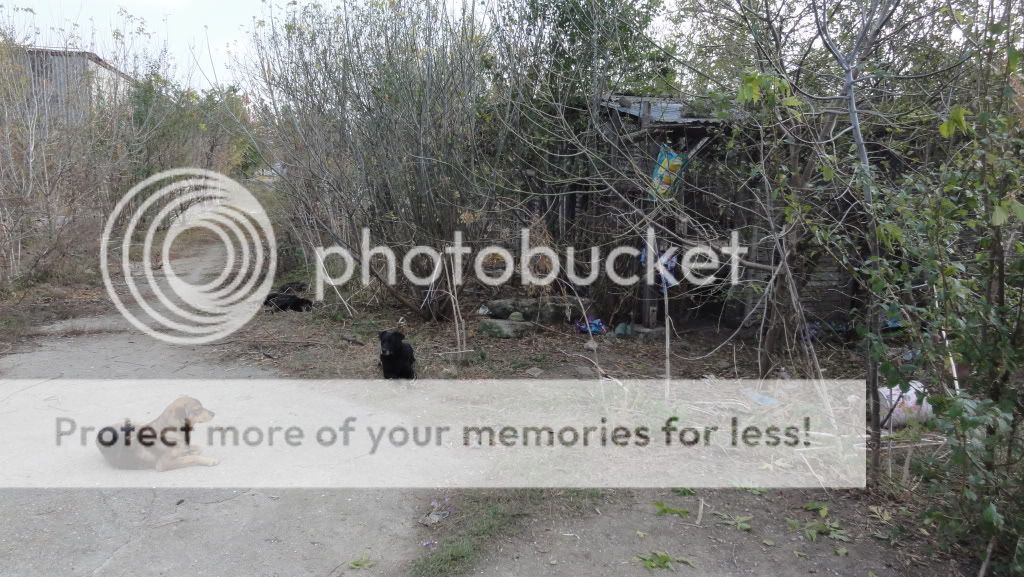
column 1013, row 58
column 958, row 115
column 957, row 119
column 664, row 509
column 999, row 215
column 842, row 551
column 792, row 101
column 741, row 522
column 657, row 560
column 827, row 173
column 821, row 508
column 890, row 234
column 1017, row 208
column 361, row 563
column 992, row 518
column 946, row 129
column 750, row 88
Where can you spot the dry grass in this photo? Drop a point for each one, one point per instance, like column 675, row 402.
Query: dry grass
column 315, row 345
column 23, row 309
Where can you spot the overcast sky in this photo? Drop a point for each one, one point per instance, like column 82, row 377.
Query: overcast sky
column 183, row 24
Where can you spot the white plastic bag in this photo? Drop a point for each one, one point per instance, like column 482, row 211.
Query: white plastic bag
column 911, row 406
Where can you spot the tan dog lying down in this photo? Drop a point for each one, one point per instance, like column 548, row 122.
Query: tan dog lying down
column 160, row 444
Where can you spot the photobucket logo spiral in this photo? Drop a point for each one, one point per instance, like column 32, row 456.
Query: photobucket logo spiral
column 194, row 300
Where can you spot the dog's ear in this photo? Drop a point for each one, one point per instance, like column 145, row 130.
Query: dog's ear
column 180, row 412
column 399, row 336
column 381, row 335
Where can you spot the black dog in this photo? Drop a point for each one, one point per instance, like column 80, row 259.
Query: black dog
column 396, row 357
column 286, row 302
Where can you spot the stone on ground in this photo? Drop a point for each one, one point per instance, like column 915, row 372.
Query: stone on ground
column 548, row 310
column 505, row 329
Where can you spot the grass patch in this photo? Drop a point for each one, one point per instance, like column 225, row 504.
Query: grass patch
column 22, row 309
column 663, row 509
column 13, row 324
column 297, row 272
column 481, row 518
column 661, row 560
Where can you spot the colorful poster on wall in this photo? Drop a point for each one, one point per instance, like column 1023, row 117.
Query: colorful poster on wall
column 670, row 165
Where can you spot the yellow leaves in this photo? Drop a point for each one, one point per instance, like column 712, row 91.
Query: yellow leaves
column 750, row 88
column 957, row 120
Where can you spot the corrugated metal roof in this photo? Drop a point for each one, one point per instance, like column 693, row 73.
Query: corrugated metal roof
column 663, row 110
column 91, row 56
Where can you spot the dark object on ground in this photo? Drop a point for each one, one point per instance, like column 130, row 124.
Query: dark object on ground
column 166, row 448
column 396, row 357
column 286, row 302
column 293, row 288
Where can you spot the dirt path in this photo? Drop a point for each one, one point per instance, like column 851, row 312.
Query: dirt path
column 707, row 540
column 244, row 533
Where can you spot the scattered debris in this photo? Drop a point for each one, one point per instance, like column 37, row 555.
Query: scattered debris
column 741, row 522
column 434, row 517
column 439, row 511
column 821, row 508
column 591, row 327
column 590, row 345
column 828, row 528
column 623, row 330
column 535, row 372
